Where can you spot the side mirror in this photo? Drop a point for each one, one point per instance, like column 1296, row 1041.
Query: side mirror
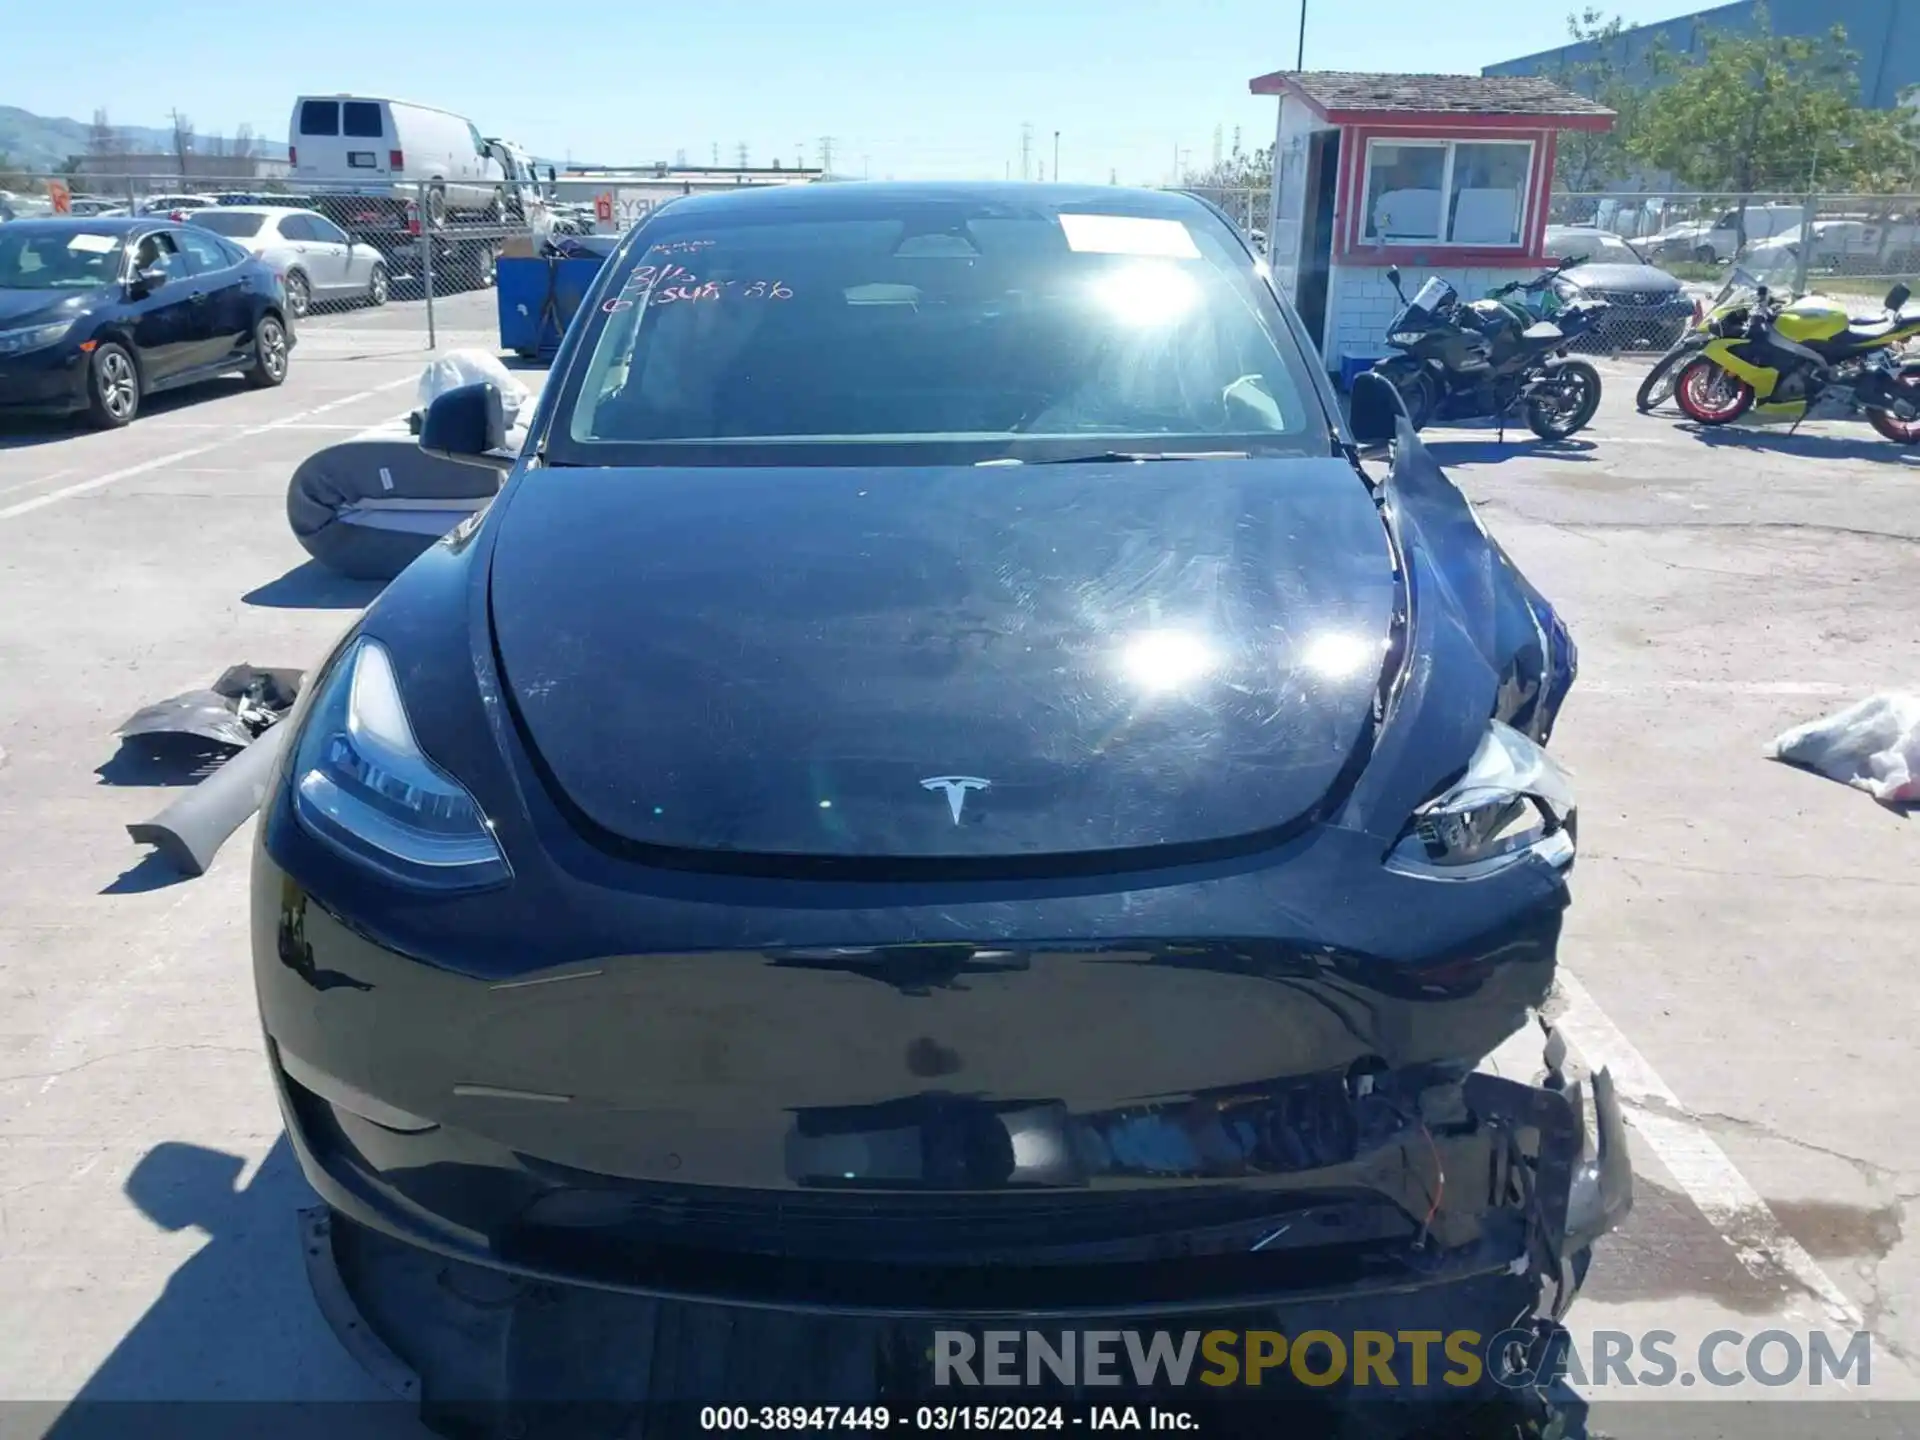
column 465, row 425
column 1898, row 297
column 1393, row 276
column 1375, row 410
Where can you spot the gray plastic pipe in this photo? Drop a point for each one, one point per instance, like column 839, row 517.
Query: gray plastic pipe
column 190, row 832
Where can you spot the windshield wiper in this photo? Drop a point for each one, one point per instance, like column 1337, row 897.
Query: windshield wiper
column 1111, row 457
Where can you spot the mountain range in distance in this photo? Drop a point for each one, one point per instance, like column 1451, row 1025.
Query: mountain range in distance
column 42, row 142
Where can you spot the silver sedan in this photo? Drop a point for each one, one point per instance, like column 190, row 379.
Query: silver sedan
column 320, row 260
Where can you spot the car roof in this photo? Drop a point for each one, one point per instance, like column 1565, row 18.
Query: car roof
column 826, row 200
column 259, row 210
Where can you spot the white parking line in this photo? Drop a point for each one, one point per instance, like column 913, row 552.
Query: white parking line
column 99, row 482
column 1698, row 1165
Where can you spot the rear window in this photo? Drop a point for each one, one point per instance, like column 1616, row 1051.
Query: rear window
column 320, row 117
column 226, row 222
column 360, row 119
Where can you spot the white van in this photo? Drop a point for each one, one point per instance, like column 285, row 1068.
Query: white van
column 392, row 147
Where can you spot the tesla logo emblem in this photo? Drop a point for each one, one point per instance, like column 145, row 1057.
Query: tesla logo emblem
column 956, row 787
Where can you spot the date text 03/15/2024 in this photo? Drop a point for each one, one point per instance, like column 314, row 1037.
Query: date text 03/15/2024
column 941, row 1419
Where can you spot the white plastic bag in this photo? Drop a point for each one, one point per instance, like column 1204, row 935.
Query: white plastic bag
column 470, row 367
column 1873, row 746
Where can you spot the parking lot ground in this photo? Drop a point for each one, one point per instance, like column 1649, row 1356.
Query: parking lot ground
column 1739, row 950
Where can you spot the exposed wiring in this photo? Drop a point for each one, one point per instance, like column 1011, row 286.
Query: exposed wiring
column 1439, row 1187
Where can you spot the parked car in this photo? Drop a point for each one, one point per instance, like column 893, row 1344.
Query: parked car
column 1125, row 832
column 1647, row 309
column 172, row 206
column 85, row 205
column 98, row 314
column 395, row 148
column 22, row 207
column 318, row 259
column 1711, row 241
column 1845, row 247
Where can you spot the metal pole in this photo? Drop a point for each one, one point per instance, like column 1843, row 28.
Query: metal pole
column 1056, row 157
column 426, row 265
column 1806, row 246
column 1300, row 55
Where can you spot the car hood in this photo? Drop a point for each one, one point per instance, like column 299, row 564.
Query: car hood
column 1644, row 278
column 20, row 308
column 903, row 663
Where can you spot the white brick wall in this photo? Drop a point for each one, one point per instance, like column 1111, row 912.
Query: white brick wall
column 1360, row 302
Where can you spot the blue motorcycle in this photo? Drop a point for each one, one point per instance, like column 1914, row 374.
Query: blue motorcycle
column 1486, row 359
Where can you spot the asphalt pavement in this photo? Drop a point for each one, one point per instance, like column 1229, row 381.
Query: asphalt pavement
column 1739, row 952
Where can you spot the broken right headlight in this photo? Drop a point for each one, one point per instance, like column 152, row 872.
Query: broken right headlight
column 1513, row 802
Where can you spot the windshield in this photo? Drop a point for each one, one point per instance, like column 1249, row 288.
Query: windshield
column 1605, row 250
column 227, row 222
column 948, row 330
column 58, row 259
column 1433, row 296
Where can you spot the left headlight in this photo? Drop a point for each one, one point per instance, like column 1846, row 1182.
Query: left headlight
column 33, row 337
column 1514, row 802
column 362, row 785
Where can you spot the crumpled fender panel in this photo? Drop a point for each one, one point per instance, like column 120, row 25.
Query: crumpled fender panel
column 1483, row 644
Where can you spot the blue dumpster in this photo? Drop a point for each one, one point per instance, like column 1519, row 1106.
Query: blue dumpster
column 1350, row 366
column 537, row 299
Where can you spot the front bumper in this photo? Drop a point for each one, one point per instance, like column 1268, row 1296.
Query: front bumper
column 50, row 381
column 781, row 1132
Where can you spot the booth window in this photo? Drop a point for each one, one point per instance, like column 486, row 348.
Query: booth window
column 1447, row 192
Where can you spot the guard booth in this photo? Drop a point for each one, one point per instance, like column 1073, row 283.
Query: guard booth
column 1443, row 175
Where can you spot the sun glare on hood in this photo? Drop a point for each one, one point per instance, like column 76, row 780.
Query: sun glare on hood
column 1338, row 654
column 1163, row 660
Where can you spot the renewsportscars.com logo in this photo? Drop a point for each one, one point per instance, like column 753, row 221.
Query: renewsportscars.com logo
column 1407, row 1359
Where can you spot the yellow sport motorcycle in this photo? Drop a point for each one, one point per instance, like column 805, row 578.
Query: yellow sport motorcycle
column 1810, row 360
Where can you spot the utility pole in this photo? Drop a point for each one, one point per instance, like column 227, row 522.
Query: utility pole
column 826, row 154
column 743, row 154
column 1300, row 55
column 866, row 167
column 800, row 155
column 1113, row 177
column 679, row 159
column 716, row 154
column 1056, row 157
column 1026, row 151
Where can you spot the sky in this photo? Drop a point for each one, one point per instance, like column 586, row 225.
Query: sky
column 935, row 89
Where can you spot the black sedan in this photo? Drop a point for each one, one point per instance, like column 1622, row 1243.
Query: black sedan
column 97, row 314
column 942, row 785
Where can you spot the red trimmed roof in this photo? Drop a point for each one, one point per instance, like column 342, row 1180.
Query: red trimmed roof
column 1347, row 97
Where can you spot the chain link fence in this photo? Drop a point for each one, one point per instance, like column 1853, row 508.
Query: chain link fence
column 366, row 267
column 1246, row 206
column 1659, row 260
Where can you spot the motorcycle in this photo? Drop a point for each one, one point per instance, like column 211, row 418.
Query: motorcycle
column 1809, row 360
column 1487, row 358
column 1722, row 316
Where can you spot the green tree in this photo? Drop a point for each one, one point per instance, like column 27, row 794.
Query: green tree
column 1756, row 111
column 1606, row 74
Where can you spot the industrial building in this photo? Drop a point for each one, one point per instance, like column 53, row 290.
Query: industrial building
column 1885, row 34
